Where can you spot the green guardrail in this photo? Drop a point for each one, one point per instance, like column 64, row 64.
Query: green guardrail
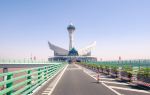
column 133, row 63
column 134, row 70
column 132, row 66
column 3, row 61
column 32, row 78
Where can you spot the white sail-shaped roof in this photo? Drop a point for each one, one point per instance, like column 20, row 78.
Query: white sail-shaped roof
column 87, row 50
column 58, row 51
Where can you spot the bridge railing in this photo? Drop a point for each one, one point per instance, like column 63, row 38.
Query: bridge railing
column 133, row 63
column 22, row 61
column 28, row 80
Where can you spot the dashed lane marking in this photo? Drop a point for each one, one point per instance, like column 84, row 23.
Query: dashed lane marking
column 44, row 93
column 115, row 83
column 106, row 78
column 73, row 69
column 48, row 89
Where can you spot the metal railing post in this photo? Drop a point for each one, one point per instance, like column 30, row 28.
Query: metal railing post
column 5, row 70
column 39, row 73
column 45, row 73
column 9, row 84
column 29, row 77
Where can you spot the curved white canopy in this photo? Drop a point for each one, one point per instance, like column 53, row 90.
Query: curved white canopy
column 87, row 49
column 58, row 51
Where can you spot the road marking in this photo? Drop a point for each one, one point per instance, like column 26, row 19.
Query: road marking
column 115, row 83
column 111, row 89
column 48, row 87
column 46, row 91
column 42, row 85
column 130, row 89
column 73, row 69
column 57, row 80
column 106, row 78
column 104, row 84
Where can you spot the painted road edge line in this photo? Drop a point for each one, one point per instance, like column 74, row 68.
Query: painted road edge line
column 34, row 92
column 104, row 84
column 57, row 81
column 111, row 89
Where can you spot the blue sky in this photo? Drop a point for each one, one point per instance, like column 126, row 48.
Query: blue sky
column 120, row 27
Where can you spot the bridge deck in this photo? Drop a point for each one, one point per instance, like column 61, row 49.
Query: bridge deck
column 76, row 82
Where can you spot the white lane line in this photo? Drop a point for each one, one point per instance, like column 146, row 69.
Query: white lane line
column 111, row 89
column 106, row 78
column 42, row 85
column 115, row 83
column 73, row 69
column 106, row 85
column 45, row 93
column 57, row 80
column 48, row 88
column 130, row 89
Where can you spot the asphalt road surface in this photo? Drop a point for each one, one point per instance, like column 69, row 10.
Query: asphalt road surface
column 75, row 82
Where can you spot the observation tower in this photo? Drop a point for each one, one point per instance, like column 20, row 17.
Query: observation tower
column 83, row 54
column 71, row 30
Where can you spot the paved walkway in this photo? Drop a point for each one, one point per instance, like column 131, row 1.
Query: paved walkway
column 118, row 86
column 76, row 80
